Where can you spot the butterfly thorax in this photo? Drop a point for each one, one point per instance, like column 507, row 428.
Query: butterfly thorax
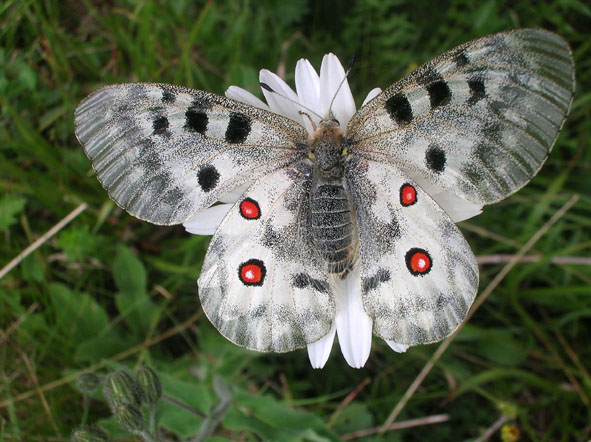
column 331, row 217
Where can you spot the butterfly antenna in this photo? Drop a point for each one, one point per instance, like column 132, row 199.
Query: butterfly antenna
column 268, row 88
column 349, row 67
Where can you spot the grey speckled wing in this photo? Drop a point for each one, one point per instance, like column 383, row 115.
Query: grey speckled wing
column 262, row 284
column 418, row 274
column 476, row 122
column 166, row 152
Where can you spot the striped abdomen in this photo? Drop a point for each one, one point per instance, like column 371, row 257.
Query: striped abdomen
column 332, row 225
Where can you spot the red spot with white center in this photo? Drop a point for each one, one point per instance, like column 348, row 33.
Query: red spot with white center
column 249, row 209
column 418, row 261
column 252, row 272
column 408, row 195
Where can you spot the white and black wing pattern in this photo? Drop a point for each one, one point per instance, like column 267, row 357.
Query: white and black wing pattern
column 165, row 152
column 478, row 121
column 418, row 274
column 262, row 285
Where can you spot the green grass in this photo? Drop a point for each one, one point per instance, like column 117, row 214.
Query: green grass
column 108, row 283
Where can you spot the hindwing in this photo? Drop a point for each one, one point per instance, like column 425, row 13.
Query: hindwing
column 418, row 274
column 262, row 284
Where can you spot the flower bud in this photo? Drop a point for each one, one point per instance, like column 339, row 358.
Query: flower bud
column 148, row 381
column 87, row 382
column 130, row 417
column 89, row 434
column 121, row 389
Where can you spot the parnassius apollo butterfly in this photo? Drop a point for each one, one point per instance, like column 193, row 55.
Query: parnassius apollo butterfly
column 331, row 219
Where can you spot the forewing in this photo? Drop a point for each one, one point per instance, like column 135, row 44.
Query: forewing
column 262, row 285
column 418, row 274
column 165, row 152
column 478, row 121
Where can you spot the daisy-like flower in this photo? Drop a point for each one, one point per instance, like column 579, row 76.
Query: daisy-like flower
column 314, row 92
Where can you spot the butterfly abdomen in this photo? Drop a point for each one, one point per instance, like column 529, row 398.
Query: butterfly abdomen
column 332, row 225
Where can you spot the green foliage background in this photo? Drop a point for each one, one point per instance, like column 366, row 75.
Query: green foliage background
column 109, row 282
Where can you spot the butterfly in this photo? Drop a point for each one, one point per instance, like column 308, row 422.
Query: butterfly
column 326, row 218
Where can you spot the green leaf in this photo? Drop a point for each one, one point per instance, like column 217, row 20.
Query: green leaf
column 32, row 269
column 355, row 417
column 133, row 301
column 500, row 348
column 77, row 243
column 515, row 375
column 102, row 347
column 10, row 207
column 77, row 315
column 177, row 419
column 218, row 411
column 129, row 272
column 273, row 420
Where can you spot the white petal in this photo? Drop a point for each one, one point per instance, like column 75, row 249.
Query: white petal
column 372, row 94
column 276, row 102
column 319, row 351
column 354, row 326
column 308, row 89
column 331, row 75
column 237, row 93
column 398, row 348
column 207, row 221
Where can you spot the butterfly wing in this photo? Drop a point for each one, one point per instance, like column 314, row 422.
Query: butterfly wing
column 476, row 123
column 165, row 152
column 262, row 285
column 418, row 274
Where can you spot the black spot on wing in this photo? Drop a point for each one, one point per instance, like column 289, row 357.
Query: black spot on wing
column 439, row 93
column 399, row 109
column 303, row 280
column 160, row 125
column 238, row 128
column 381, row 276
column 435, row 158
column 429, row 76
column 196, row 120
column 461, row 59
column 208, row 177
column 168, row 97
column 477, row 91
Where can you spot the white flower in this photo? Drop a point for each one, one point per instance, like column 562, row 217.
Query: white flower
column 353, row 326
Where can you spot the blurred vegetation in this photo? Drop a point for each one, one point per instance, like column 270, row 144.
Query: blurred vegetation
column 100, row 295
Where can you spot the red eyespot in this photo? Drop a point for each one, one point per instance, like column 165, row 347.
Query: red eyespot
column 249, row 209
column 252, row 272
column 418, row 261
column 408, row 195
